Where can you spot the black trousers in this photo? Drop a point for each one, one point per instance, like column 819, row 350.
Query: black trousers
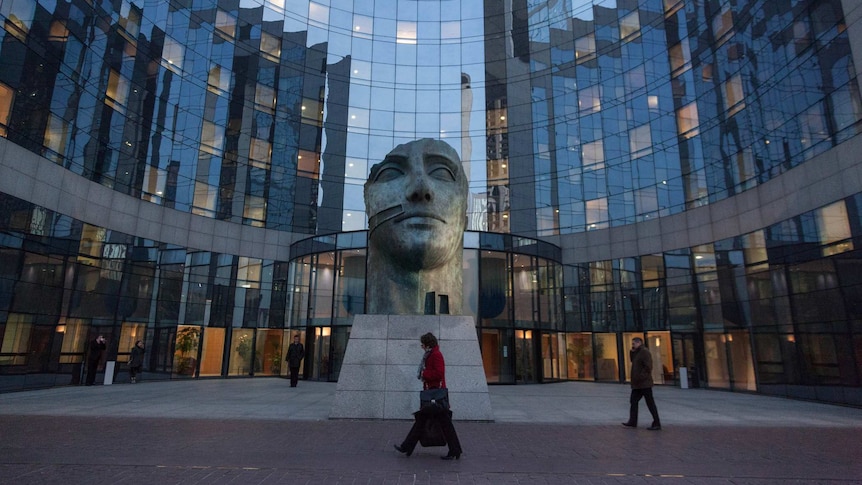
column 445, row 418
column 294, row 376
column 92, row 369
column 636, row 396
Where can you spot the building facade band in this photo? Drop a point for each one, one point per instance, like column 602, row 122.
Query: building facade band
column 190, row 174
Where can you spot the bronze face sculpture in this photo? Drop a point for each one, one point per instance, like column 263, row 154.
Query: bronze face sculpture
column 416, row 200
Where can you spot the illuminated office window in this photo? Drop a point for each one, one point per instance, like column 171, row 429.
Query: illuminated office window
column 254, row 211
column 260, row 153
column 585, row 48
column 225, row 24
column 672, row 6
column 56, row 137
column 590, row 99
column 7, row 95
column 687, row 120
column 680, row 57
column 722, row 25
column 270, row 46
column 593, row 155
column 58, row 32
column 733, row 95
column 833, row 226
column 218, row 80
column 248, row 272
column 597, row 213
column 308, row 164
column 264, row 98
column 630, row 26
column 117, row 92
column 173, row 53
column 130, row 19
column 204, row 199
column 153, row 187
column 212, row 138
column 19, row 16
column 406, row 33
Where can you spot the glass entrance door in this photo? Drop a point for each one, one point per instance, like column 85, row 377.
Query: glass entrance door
column 525, row 358
column 321, row 366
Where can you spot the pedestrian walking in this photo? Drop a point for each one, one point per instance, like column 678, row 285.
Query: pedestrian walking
column 432, row 371
column 136, row 360
column 642, row 382
column 295, row 354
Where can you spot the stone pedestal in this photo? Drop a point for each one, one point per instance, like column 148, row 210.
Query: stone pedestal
column 378, row 376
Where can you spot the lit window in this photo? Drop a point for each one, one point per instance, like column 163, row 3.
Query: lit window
column 155, row 180
column 130, row 19
column 260, row 153
column 671, row 6
column 630, row 26
column 733, row 95
column 205, row 199
column 833, row 226
column 640, row 141
column 173, row 53
column 270, row 45
column 680, row 58
column 687, row 120
column 19, row 16
column 308, row 164
column 248, row 271
column 225, row 23
column 264, row 98
column 593, row 155
column 7, row 95
column 585, row 48
column 722, row 25
column 406, row 33
column 212, row 138
column 56, row 137
column 255, row 212
column 218, row 80
column 58, row 32
column 590, row 99
column 117, row 92
column 597, row 213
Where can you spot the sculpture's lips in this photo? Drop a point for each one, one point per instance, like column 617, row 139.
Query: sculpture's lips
column 419, row 215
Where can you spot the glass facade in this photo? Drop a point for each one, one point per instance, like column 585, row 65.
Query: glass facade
column 191, row 174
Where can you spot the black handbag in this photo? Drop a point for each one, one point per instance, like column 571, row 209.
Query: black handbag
column 437, row 398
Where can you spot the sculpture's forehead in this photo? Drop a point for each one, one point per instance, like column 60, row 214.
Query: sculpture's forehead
column 425, row 147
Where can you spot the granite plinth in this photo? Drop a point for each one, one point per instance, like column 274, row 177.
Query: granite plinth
column 378, row 378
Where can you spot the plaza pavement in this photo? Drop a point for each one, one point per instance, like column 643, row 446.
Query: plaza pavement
column 261, row 431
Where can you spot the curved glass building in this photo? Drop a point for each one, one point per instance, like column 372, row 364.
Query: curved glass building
column 190, row 173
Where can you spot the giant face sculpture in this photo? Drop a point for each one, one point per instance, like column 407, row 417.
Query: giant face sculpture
column 416, row 200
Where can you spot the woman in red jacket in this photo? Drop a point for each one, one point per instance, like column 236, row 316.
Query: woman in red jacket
column 432, row 372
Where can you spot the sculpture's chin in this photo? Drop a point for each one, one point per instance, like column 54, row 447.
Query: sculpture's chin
column 413, row 252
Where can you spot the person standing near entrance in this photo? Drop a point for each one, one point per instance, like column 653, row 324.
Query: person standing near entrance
column 136, row 360
column 295, row 354
column 641, row 373
column 94, row 357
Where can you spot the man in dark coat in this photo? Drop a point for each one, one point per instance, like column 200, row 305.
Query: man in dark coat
column 641, row 373
column 94, row 357
column 295, row 354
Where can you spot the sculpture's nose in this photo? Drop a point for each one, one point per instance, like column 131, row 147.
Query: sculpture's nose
column 419, row 190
